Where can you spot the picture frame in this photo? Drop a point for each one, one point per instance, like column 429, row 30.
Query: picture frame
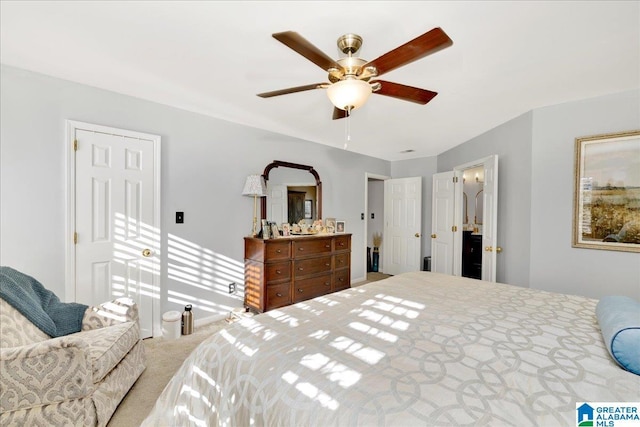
column 275, row 232
column 286, row 229
column 266, row 229
column 308, row 209
column 330, row 223
column 606, row 199
column 340, row 227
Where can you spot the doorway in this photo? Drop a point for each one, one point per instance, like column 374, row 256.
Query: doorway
column 449, row 224
column 113, row 219
column 400, row 222
column 373, row 219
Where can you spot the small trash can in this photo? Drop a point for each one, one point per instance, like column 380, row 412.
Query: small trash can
column 171, row 325
column 426, row 264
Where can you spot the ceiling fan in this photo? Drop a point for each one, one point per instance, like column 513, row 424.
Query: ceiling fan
column 352, row 79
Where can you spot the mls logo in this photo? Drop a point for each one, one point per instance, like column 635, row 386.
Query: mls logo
column 585, row 415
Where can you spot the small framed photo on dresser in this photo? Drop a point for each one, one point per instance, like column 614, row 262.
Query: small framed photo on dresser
column 330, row 222
column 286, row 229
column 340, row 227
column 275, row 233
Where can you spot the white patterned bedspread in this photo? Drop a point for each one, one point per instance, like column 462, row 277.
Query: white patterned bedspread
column 415, row 349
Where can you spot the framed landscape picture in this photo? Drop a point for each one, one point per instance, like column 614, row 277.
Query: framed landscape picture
column 606, row 207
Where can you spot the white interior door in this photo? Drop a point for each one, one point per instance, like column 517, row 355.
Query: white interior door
column 116, row 219
column 490, row 221
column 277, row 203
column 442, row 221
column 403, row 225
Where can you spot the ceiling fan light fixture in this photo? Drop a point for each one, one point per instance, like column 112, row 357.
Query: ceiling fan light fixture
column 349, row 94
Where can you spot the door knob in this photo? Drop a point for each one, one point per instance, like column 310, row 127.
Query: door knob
column 433, row 236
column 498, row 249
column 489, row 249
column 146, row 253
column 417, row 234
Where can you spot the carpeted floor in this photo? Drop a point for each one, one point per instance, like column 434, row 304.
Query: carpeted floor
column 164, row 357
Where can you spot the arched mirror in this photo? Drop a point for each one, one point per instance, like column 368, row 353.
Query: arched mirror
column 294, row 192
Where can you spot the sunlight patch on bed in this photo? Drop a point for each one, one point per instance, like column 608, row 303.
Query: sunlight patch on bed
column 320, row 334
column 284, row 318
column 224, row 333
column 382, row 319
column 202, row 374
column 366, row 354
column 314, row 393
column 183, row 409
column 311, row 391
column 334, row 371
column 370, row 330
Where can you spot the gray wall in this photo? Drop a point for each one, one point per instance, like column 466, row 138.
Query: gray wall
column 204, row 165
column 535, row 206
column 511, row 141
column 555, row 265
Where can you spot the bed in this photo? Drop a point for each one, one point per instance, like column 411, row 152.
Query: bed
column 415, row 349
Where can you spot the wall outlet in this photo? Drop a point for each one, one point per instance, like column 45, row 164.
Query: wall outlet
column 179, row 217
column 232, row 288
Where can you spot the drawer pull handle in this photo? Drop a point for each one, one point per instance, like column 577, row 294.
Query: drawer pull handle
column 327, row 246
column 301, row 249
column 300, row 290
column 300, row 268
column 328, row 265
column 279, row 251
column 341, row 279
column 327, row 283
column 278, row 294
column 278, row 272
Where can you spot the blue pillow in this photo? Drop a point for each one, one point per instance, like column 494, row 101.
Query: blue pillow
column 619, row 319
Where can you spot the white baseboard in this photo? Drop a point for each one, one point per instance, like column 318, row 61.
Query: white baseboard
column 210, row 319
column 358, row 279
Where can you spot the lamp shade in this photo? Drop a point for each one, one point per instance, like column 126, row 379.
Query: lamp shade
column 254, row 186
column 349, row 94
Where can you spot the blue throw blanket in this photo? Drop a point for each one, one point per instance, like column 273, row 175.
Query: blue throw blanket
column 41, row 306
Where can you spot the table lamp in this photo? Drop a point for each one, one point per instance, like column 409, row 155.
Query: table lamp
column 256, row 187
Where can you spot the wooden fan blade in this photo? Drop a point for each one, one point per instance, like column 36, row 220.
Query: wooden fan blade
column 292, row 90
column 405, row 93
column 301, row 45
column 417, row 48
column 339, row 113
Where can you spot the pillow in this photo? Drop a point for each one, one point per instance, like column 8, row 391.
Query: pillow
column 619, row 319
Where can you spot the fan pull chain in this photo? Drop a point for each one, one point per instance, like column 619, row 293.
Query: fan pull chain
column 347, row 129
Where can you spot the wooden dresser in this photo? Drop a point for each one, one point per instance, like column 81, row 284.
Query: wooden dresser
column 287, row 270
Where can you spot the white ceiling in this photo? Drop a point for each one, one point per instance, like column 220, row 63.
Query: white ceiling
column 507, row 58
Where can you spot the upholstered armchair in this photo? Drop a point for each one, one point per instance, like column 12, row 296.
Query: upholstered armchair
column 76, row 379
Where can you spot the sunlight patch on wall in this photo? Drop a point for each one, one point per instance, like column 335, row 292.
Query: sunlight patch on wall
column 203, row 272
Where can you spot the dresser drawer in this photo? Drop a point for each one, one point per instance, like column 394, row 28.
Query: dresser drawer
column 310, row 288
column 302, row 248
column 342, row 261
column 342, row 280
column 342, row 243
column 278, row 296
column 278, row 271
column 305, row 267
column 275, row 250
